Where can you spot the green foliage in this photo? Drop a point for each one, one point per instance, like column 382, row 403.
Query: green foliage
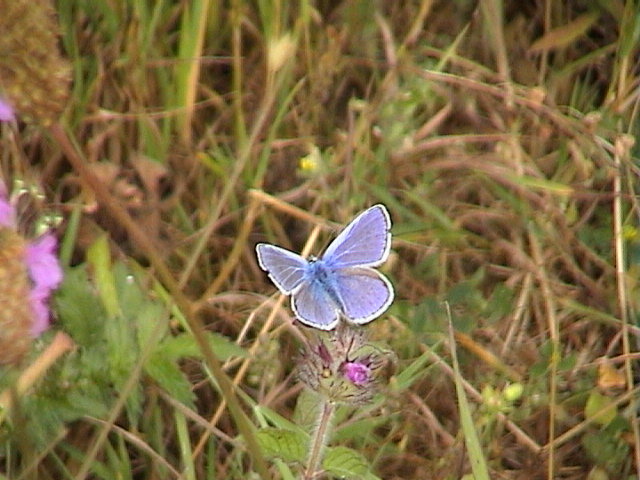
column 412, row 372
column 108, row 346
column 607, row 450
column 470, row 307
column 500, row 137
column 546, row 352
column 346, row 463
column 477, row 457
column 290, row 446
column 600, row 409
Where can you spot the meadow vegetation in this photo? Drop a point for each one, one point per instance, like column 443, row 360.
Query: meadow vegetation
column 168, row 138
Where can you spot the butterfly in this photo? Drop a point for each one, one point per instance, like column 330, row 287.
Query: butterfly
column 342, row 281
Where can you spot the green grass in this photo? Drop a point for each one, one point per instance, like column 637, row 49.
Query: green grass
column 499, row 136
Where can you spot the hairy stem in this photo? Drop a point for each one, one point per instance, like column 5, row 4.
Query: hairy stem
column 319, row 438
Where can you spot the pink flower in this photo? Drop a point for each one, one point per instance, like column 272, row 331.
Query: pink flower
column 46, row 274
column 6, row 111
column 357, row 373
column 41, row 262
column 6, row 213
column 6, row 209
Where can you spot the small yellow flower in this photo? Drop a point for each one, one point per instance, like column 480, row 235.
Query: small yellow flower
column 513, row 392
column 629, row 232
column 310, row 164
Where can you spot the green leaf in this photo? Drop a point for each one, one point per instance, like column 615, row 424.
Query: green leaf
column 184, row 345
column 500, row 303
column 568, row 362
column 80, row 312
column 288, row 445
column 166, row 372
column 122, row 347
column 306, row 412
column 131, row 298
column 600, row 408
column 99, row 258
column 478, row 462
column 344, row 462
column 148, row 319
column 362, row 431
column 413, row 372
column 268, row 415
column 427, row 318
column 607, row 450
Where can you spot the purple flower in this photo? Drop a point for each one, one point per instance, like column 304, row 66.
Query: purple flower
column 41, row 263
column 6, row 111
column 6, row 213
column 46, row 274
column 6, row 210
column 40, row 308
column 356, row 373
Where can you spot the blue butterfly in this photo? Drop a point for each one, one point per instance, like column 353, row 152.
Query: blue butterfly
column 341, row 281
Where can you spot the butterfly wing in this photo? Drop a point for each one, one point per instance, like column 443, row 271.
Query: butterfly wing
column 364, row 293
column 314, row 307
column 364, row 242
column 286, row 269
column 349, row 286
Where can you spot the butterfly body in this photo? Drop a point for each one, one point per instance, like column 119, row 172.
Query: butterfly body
column 322, row 276
column 342, row 281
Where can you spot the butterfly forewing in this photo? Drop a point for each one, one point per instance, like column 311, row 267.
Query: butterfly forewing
column 365, row 294
column 364, row 242
column 286, row 269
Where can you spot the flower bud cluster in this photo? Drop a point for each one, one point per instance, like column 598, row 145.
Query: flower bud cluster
column 342, row 365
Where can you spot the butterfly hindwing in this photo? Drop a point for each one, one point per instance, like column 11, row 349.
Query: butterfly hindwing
column 364, row 293
column 314, row 307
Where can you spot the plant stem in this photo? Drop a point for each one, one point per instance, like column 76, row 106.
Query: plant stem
column 319, row 438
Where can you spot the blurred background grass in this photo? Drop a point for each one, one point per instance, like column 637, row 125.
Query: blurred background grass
column 500, row 135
